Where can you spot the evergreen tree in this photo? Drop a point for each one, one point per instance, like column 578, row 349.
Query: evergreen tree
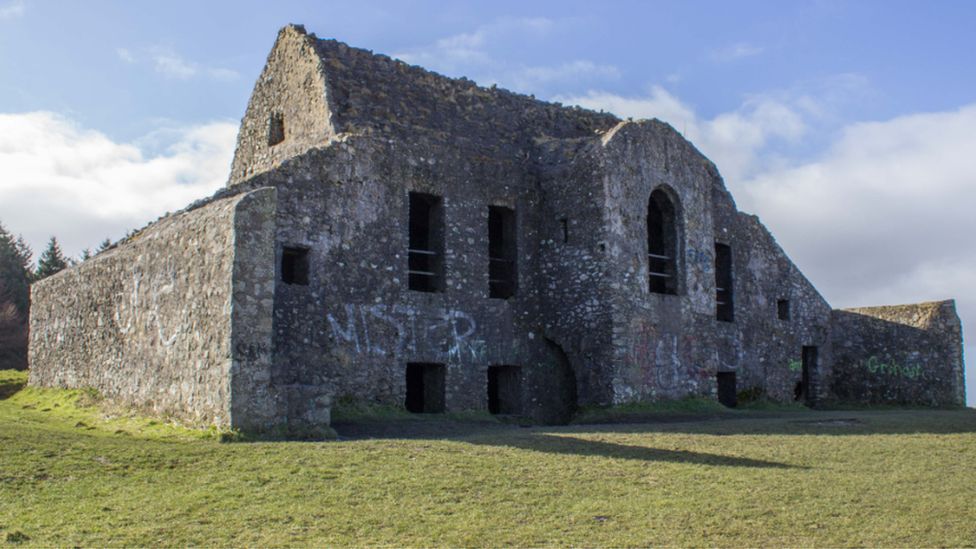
column 51, row 261
column 86, row 254
column 15, row 270
column 103, row 246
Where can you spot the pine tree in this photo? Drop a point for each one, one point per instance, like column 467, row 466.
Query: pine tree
column 103, row 246
column 15, row 270
column 51, row 261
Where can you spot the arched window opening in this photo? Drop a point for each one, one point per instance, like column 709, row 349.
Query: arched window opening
column 662, row 244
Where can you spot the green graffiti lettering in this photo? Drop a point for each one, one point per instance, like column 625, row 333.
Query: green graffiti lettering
column 876, row 366
column 795, row 365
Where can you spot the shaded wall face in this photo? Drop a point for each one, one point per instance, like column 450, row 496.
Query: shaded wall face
column 672, row 346
column 906, row 354
column 352, row 330
column 146, row 323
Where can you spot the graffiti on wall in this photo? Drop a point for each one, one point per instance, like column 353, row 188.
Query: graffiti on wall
column 877, row 366
column 662, row 360
column 397, row 329
column 795, row 365
column 700, row 258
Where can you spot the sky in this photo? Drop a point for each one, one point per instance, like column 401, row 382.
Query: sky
column 848, row 127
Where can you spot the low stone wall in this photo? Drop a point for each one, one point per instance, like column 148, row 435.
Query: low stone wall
column 902, row 354
column 149, row 322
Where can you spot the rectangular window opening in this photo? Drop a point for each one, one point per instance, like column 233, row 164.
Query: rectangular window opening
column 502, row 252
column 276, row 129
column 425, row 388
column 726, row 389
column 724, row 304
column 783, row 309
column 425, row 255
column 504, row 390
column 564, row 223
column 294, row 265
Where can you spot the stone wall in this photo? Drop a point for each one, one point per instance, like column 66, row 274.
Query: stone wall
column 901, row 354
column 148, row 323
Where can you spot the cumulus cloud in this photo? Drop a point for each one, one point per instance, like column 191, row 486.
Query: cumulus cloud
column 81, row 186
column 468, row 54
column 12, row 10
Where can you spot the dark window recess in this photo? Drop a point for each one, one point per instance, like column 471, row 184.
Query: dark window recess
column 724, row 298
column 425, row 255
column 276, row 129
column 504, row 390
column 783, row 309
column 564, row 223
column 425, row 388
column 726, row 389
column 294, row 265
column 662, row 244
column 502, row 254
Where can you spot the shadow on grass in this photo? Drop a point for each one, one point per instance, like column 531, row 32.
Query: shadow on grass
column 9, row 388
column 556, row 444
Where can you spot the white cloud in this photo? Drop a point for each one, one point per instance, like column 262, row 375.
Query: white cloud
column 81, row 186
column 125, row 55
column 173, row 66
column 736, row 51
column 468, row 54
column 11, row 10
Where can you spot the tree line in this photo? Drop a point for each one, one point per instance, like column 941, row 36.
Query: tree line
column 17, row 273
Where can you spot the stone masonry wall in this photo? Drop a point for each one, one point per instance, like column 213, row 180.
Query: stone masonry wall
column 148, row 323
column 900, row 354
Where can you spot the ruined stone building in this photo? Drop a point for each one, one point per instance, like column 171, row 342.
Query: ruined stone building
column 391, row 236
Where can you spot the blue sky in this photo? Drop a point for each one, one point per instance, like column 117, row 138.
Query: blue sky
column 848, row 127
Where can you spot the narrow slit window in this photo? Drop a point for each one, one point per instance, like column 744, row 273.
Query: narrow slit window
column 783, row 309
column 276, row 129
column 425, row 255
column 502, row 252
column 564, row 224
column 294, row 265
column 662, row 244
column 724, row 304
column 425, row 384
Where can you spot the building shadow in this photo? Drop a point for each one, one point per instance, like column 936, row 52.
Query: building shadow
column 569, row 445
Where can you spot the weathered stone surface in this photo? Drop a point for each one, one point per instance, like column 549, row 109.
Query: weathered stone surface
column 149, row 323
column 899, row 354
column 360, row 133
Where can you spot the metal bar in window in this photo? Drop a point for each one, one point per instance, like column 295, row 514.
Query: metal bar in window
column 660, row 275
column 424, row 252
column 501, row 260
column 656, row 256
column 422, row 273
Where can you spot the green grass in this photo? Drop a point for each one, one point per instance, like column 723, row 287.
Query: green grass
column 802, row 478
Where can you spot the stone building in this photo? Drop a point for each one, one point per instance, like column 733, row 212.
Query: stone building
column 392, row 236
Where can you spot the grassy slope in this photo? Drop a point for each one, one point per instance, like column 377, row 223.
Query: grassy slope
column 897, row 478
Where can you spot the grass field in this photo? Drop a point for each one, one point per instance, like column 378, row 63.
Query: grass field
column 906, row 478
